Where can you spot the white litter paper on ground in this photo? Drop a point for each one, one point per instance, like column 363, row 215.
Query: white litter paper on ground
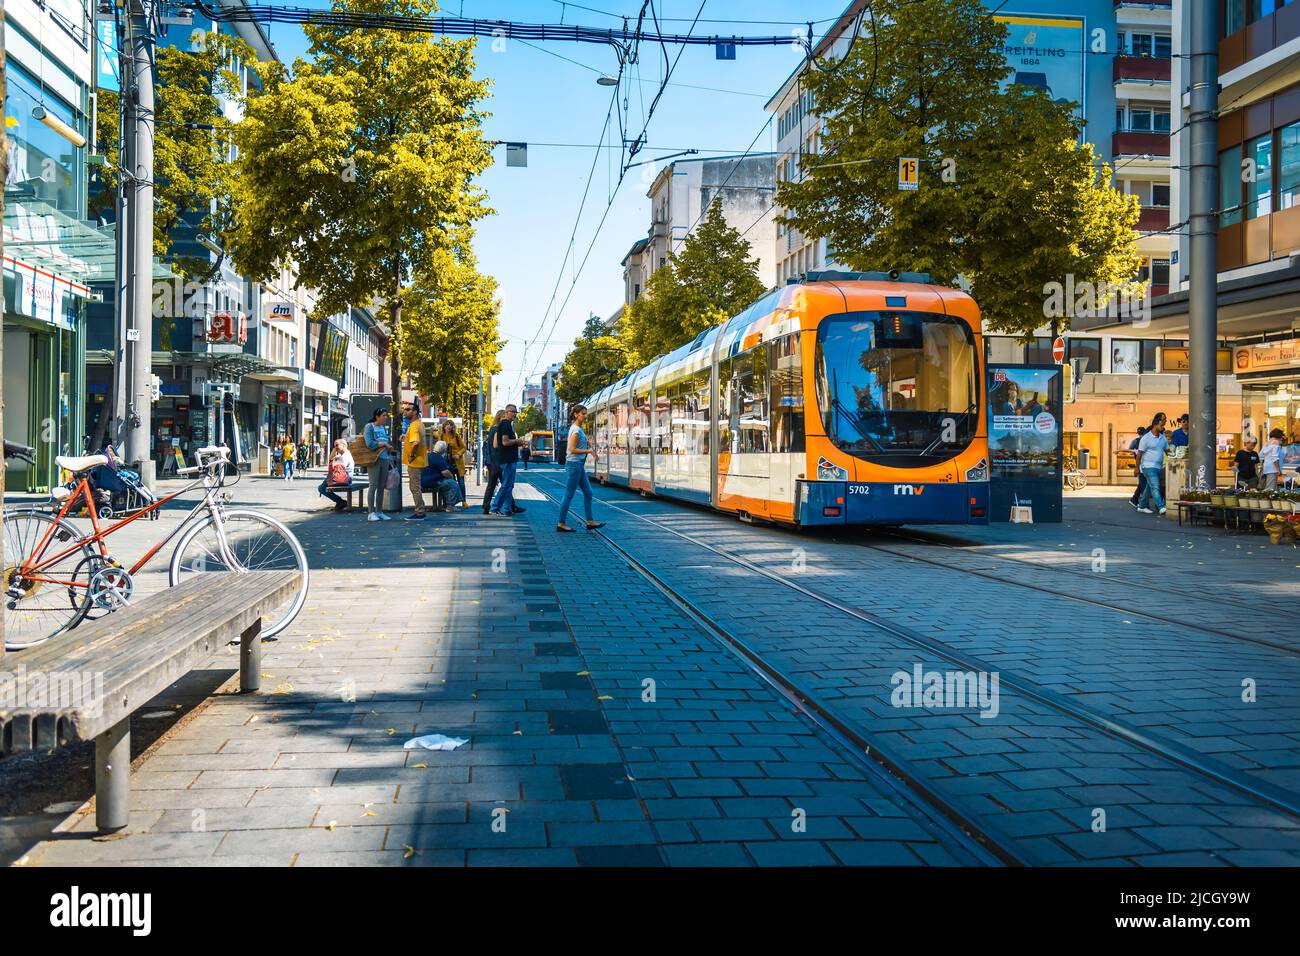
column 436, row 742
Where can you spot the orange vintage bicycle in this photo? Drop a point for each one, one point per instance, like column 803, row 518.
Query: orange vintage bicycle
column 56, row 576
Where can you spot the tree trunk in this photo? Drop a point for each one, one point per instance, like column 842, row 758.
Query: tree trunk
column 395, row 385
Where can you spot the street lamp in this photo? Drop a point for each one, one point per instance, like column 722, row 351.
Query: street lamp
column 606, row 80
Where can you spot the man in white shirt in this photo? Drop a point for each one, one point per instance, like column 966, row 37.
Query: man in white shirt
column 1151, row 458
column 1270, row 460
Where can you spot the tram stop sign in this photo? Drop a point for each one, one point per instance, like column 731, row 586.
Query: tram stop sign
column 1058, row 350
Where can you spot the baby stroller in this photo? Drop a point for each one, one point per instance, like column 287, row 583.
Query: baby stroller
column 118, row 490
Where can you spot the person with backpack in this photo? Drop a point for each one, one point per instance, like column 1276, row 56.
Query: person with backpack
column 506, row 445
column 490, row 459
column 338, row 474
column 456, row 452
column 378, row 440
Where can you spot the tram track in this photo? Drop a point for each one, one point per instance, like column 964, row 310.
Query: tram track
column 1189, row 760
column 1069, row 595
column 919, row 536
column 983, row 843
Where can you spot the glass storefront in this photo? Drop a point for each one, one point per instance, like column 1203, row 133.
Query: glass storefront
column 1275, row 405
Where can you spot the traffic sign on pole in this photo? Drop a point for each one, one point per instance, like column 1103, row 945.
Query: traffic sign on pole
column 1058, row 350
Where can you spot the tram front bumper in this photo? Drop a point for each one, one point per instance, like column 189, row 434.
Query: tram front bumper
column 878, row 502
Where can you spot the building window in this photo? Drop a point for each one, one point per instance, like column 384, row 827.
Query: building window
column 1125, row 356
column 1259, row 194
column 1146, row 119
column 1288, row 173
column 1160, row 194
column 1089, row 350
column 1039, row 351
column 1230, row 186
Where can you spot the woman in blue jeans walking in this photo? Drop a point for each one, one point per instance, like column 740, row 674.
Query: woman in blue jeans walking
column 575, row 467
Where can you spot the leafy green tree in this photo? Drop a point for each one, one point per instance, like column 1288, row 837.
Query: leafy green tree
column 595, row 359
column 530, row 419
column 449, row 329
column 710, row 280
column 193, row 173
column 362, row 168
column 1008, row 196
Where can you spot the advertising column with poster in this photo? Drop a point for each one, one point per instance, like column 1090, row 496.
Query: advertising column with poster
column 1024, row 415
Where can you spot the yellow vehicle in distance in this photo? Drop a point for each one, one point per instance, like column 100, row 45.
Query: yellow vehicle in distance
column 541, row 446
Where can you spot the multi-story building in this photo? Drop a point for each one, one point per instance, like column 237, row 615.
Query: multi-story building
column 681, row 194
column 1258, row 211
column 52, row 257
column 1123, row 94
column 552, row 404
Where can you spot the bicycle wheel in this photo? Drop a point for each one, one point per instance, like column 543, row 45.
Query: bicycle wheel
column 256, row 542
column 39, row 606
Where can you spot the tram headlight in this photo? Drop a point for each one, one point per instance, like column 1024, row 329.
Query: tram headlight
column 980, row 472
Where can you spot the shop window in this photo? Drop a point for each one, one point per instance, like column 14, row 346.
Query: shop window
column 1125, row 356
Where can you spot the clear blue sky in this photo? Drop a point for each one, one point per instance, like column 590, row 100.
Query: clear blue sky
column 539, row 96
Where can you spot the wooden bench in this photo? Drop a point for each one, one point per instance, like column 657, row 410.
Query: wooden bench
column 357, row 486
column 93, row 678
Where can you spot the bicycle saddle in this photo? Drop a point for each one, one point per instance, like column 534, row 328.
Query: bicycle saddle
column 77, row 465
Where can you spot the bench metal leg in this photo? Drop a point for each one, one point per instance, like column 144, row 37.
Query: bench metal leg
column 250, row 658
column 113, row 777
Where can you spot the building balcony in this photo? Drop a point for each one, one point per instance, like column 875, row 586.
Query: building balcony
column 1153, row 219
column 1141, row 68
column 1140, row 144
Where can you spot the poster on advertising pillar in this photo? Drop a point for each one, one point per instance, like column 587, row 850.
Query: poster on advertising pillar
column 1025, row 440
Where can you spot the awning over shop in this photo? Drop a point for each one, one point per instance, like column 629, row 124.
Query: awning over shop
column 79, row 252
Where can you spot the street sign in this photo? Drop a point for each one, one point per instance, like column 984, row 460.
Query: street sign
column 909, row 169
column 724, row 51
column 516, row 154
column 1058, row 350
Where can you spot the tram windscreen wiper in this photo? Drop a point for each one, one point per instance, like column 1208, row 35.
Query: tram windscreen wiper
column 856, row 422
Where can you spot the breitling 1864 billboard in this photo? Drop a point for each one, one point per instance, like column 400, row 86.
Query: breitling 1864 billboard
column 1046, row 52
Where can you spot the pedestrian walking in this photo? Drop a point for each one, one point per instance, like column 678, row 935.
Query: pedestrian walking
column 289, row 454
column 525, row 453
column 378, row 439
column 1152, row 452
column 338, row 475
column 1270, row 461
column 506, row 445
column 575, row 470
column 1246, row 465
column 490, row 458
column 1142, row 479
column 457, row 454
column 414, row 457
column 277, row 460
column 440, row 477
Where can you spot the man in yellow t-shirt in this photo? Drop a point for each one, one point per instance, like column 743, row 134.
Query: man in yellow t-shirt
column 414, row 457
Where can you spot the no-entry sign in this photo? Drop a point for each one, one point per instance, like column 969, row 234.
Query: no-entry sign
column 1058, row 350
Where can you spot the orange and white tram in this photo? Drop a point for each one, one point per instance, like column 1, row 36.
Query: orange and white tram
column 841, row 398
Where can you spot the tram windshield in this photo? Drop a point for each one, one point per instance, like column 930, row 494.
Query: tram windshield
column 898, row 388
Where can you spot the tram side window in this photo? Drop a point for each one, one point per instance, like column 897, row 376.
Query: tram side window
column 696, row 416
column 663, row 417
column 786, row 390
column 641, row 424
column 753, row 402
column 728, row 410
column 619, row 425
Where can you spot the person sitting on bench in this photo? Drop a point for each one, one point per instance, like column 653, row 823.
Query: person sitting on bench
column 439, row 478
column 338, row 475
